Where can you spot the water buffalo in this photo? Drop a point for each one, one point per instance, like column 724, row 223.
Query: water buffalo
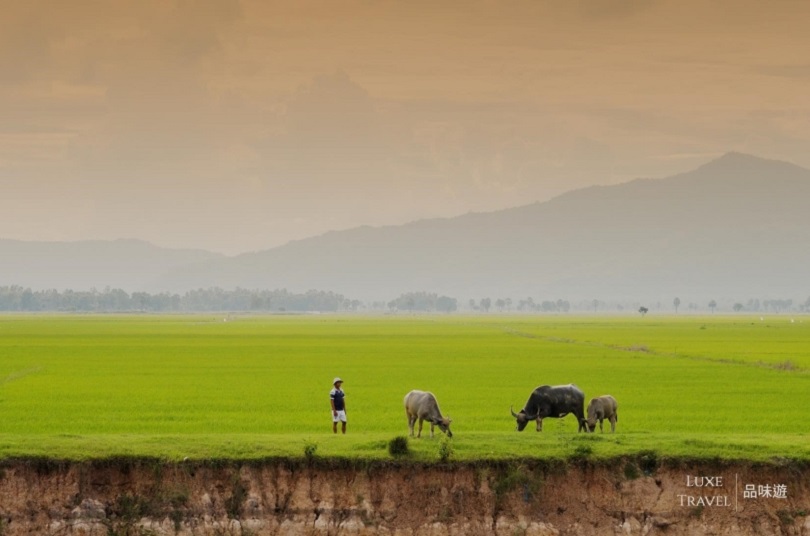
column 548, row 401
column 600, row 408
column 423, row 406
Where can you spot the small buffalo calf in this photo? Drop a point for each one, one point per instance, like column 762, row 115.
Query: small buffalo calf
column 600, row 408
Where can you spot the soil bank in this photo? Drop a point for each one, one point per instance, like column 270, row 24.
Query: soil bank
column 638, row 496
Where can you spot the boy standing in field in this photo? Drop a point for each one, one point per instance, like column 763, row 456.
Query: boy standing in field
column 336, row 398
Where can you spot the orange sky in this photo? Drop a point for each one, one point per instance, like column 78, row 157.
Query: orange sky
column 239, row 125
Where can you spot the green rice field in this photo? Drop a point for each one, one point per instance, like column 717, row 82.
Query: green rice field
column 250, row 387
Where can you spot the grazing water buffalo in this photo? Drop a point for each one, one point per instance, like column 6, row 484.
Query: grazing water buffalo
column 600, row 408
column 548, row 401
column 423, row 406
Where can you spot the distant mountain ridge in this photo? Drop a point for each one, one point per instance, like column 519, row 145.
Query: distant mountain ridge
column 82, row 265
column 738, row 226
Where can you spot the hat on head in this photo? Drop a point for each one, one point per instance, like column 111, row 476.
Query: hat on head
column 336, row 380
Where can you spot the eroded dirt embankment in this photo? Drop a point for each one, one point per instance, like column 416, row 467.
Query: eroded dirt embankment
column 639, row 496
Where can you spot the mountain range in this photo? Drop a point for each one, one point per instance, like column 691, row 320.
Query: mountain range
column 737, row 227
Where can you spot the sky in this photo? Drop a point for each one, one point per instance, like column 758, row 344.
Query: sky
column 239, row 125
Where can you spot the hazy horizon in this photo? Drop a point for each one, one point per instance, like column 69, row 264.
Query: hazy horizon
column 236, row 126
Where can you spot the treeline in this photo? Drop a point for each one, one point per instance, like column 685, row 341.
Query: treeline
column 424, row 302
column 17, row 298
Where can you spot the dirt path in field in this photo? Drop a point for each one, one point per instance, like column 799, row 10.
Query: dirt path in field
column 629, row 497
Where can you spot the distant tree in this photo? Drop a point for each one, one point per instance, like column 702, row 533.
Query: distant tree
column 643, row 310
column 777, row 305
column 677, row 303
column 595, row 304
column 472, row 305
column 486, row 303
column 500, row 303
column 509, row 303
column 445, row 304
column 712, row 305
column 527, row 305
column 738, row 307
column 141, row 300
column 423, row 301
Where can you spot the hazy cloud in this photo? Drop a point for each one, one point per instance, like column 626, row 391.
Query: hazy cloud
column 797, row 71
column 240, row 125
column 612, row 9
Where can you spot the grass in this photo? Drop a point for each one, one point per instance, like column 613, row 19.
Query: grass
column 78, row 387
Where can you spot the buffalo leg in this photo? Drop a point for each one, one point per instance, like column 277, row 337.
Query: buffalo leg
column 420, row 429
column 583, row 427
column 539, row 424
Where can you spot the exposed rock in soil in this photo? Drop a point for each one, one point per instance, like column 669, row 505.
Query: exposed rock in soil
column 333, row 497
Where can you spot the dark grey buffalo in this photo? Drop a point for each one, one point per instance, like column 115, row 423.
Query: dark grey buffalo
column 552, row 401
column 601, row 408
column 422, row 405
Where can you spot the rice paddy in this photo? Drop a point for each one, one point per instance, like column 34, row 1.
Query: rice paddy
column 231, row 386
